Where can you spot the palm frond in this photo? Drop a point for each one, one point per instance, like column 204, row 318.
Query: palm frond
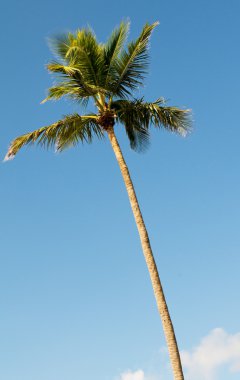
column 171, row 118
column 133, row 63
column 135, row 120
column 69, row 82
column 60, row 44
column 78, row 129
column 137, row 116
column 112, row 49
column 62, row 134
column 85, row 54
column 138, row 137
column 67, row 89
column 81, row 59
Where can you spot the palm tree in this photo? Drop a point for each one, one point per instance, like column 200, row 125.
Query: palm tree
column 108, row 75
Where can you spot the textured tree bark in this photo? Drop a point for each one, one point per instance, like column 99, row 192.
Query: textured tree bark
column 152, row 268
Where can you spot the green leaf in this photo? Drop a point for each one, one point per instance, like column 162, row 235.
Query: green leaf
column 137, row 116
column 111, row 51
column 133, row 63
column 80, row 55
column 62, row 134
column 135, row 121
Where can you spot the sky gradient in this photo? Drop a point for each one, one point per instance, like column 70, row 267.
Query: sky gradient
column 76, row 299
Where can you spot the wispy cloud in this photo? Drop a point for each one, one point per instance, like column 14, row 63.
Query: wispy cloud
column 215, row 351
column 129, row 375
column 216, row 357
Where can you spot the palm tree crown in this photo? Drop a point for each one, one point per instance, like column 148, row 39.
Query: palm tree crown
column 108, row 74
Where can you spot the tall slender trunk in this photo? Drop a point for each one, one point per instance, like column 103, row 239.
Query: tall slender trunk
column 152, row 268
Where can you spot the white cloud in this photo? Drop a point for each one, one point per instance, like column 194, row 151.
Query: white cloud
column 137, row 375
column 216, row 350
column 216, row 357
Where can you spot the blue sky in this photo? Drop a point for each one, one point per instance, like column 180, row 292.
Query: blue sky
column 76, row 300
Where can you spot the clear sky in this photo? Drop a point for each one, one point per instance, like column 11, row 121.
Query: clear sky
column 75, row 296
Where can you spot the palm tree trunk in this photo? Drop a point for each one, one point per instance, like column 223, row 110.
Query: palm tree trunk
column 152, row 268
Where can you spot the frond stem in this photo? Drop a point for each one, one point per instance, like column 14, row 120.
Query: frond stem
column 89, row 117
